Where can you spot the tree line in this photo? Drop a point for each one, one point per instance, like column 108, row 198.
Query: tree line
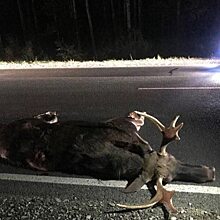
column 104, row 29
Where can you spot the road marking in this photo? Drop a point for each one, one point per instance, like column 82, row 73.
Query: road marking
column 107, row 183
column 182, row 88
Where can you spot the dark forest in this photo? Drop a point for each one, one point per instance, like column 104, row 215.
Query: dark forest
column 108, row 29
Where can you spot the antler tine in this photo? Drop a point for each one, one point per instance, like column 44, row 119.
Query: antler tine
column 173, row 123
column 152, row 119
column 162, row 196
column 169, row 134
column 177, row 131
column 176, row 128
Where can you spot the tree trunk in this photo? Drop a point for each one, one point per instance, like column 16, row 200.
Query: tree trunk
column 139, row 15
column 113, row 22
column 178, row 6
column 34, row 17
column 128, row 16
column 135, row 14
column 128, row 20
column 91, row 28
column 76, row 25
column 21, row 17
column 57, row 28
column 178, row 13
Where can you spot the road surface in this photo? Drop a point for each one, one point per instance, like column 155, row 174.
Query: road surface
column 99, row 94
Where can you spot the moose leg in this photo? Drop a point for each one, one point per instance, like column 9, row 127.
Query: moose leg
column 37, row 161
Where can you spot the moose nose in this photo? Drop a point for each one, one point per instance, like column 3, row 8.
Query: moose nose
column 212, row 170
column 210, row 173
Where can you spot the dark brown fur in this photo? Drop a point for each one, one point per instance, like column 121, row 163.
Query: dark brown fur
column 105, row 150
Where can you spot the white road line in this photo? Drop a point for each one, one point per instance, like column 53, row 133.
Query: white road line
column 182, row 88
column 109, row 183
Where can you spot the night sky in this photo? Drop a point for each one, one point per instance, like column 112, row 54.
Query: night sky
column 108, row 29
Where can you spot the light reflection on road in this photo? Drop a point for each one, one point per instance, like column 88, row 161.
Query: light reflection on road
column 215, row 78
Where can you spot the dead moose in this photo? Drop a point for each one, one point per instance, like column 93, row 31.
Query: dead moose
column 106, row 150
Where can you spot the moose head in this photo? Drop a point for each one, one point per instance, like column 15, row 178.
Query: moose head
column 161, row 167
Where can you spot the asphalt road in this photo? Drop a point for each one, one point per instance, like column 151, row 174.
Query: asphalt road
column 99, row 94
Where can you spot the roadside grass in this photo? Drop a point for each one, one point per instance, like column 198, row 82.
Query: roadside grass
column 149, row 62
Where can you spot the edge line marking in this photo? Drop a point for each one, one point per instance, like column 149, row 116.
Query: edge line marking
column 181, row 88
column 214, row 190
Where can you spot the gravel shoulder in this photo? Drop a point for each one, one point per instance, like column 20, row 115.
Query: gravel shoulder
column 32, row 207
column 54, row 201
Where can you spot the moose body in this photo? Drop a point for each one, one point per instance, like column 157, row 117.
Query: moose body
column 98, row 150
column 105, row 150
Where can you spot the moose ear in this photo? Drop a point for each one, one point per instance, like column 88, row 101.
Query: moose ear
column 135, row 185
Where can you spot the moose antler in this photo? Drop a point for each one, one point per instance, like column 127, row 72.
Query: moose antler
column 158, row 161
column 162, row 196
column 169, row 133
column 137, row 119
column 152, row 119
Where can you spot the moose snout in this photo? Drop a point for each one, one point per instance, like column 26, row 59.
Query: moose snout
column 194, row 173
column 211, row 173
column 208, row 174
